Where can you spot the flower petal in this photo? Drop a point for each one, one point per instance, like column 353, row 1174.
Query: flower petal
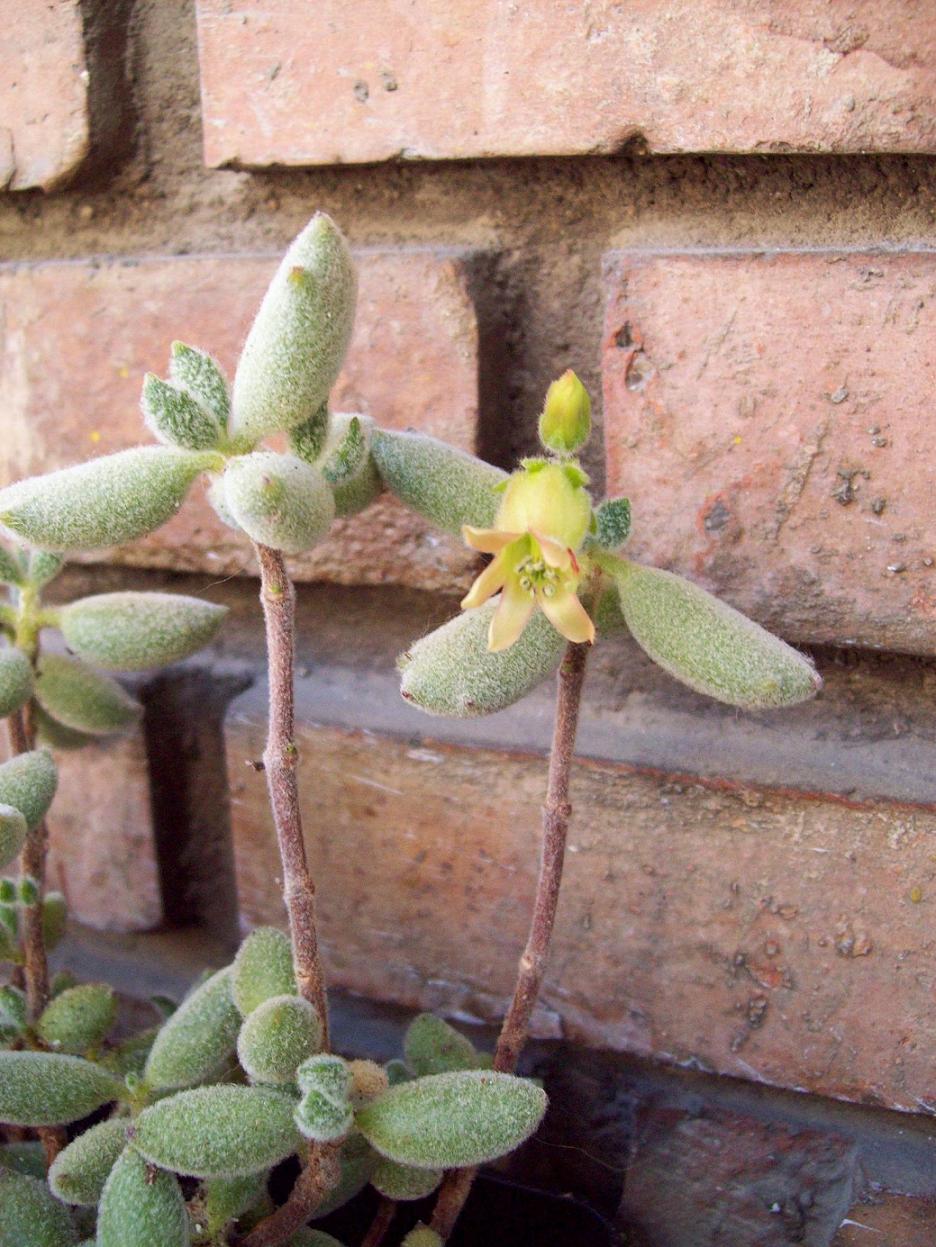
column 553, row 553
column 488, row 583
column 567, row 615
column 510, row 618
column 487, row 540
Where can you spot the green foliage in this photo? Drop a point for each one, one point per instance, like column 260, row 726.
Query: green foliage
column 613, row 520
column 324, row 1113
column 358, row 1161
column 42, row 567
column 452, row 672
column 218, row 1132
column 129, row 1056
column 403, row 1182
column 78, row 1173
column 175, row 417
column 297, row 343
column 78, row 1019
column 103, row 502
column 26, row 1157
column 431, row 1046
column 132, row 631
column 10, row 571
column 223, row 1200
column 277, row 1036
column 347, row 463
column 278, row 500
column 141, row 1207
column 55, row 735
column 16, row 681
column 397, row 1072
column 262, row 968
column 30, row 1216
column 12, row 1009
column 565, row 424
column 447, row 486
column 450, row 1121
column 198, row 1040
column 709, row 645
column 54, row 919
column 81, row 698
column 51, row 1088
column 199, row 375
column 422, row 1236
column 28, row 783
column 12, row 834
column 307, row 440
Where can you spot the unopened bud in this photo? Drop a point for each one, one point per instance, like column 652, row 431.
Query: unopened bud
column 566, row 420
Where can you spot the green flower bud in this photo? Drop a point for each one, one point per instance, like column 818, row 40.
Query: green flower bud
column 16, row 681
column 175, row 418
column 613, row 523
column 12, row 1009
column 131, row 631
column 83, row 699
column 217, row 1132
column 347, row 463
column 297, row 344
column 358, row 1161
column 43, row 567
column 27, row 1157
column 54, row 919
column 448, row 487
column 141, row 1207
column 278, row 500
column 198, row 1040
column 55, row 735
column 431, row 1046
column 28, row 783
column 452, row 672
column 199, row 375
column 103, row 502
column 422, row 1236
column 223, row 1200
column 79, row 1018
column 78, row 1173
column 50, row 1088
column 277, row 1037
column 403, row 1182
column 451, row 1121
column 12, row 834
column 565, row 424
column 709, row 645
column 262, row 968
column 31, row 1216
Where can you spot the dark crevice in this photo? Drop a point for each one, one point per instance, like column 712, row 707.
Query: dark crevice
column 498, row 316
column 113, row 114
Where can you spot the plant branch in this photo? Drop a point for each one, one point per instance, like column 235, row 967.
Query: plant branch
column 32, row 863
column 383, row 1218
column 319, row 1177
column 557, row 812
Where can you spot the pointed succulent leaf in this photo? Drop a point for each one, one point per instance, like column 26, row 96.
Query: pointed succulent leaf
column 223, row 1200
column 217, row 1132
column 606, row 612
column 141, row 1207
column 103, row 502
column 16, row 681
column 613, row 519
column 175, row 418
column 12, row 1008
column 431, row 1046
column 403, row 1182
column 358, row 1161
column 50, row 1088
column 55, row 735
column 24, row 1157
column 198, row 1040
column 422, row 1236
column 447, row 486
column 54, row 919
column 452, row 672
column 347, row 463
column 79, row 1018
column 10, row 571
column 12, row 834
column 327, row 1073
column 297, row 343
column 131, row 631
column 43, row 567
column 78, row 1173
column 450, row 1121
column 83, row 699
column 278, row 500
column 28, row 783
column 709, row 645
column 199, row 375
column 308, row 440
column 31, row 1216
column 323, row 1119
column 277, row 1037
column 262, row 968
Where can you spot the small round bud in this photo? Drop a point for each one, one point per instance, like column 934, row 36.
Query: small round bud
column 367, row 1080
column 565, row 423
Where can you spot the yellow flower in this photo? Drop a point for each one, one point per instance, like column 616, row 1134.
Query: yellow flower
column 541, row 523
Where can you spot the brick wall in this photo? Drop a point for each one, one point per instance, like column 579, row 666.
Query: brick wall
column 723, row 216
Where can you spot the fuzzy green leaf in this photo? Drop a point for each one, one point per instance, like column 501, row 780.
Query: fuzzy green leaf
column 55, row 735
column 358, row 1161
column 12, row 834
column 277, row 1037
column 27, row 1157
column 297, row 343
column 78, row 1173
column 709, row 645
column 50, row 1088
column 324, row 1113
column 326, row 1073
column 31, row 1216
column 307, row 440
column 43, row 567
column 447, row 486
column 199, row 375
column 262, row 968
column 12, row 1008
column 403, row 1182
column 16, row 681
column 10, row 571
column 79, row 1018
column 606, row 612
column 217, row 1132
column 175, row 418
column 223, row 1200
column 450, row 1121
column 278, row 500
column 452, row 672
column 198, row 1040
column 613, row 518
column 54, row 919
column 131, row 631
column 28, row 783
column 141, row 1207
column 431, row 1046
column 347, row 463
column 83, row 699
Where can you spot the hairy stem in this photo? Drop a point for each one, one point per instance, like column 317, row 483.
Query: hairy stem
column 556, row 814
column 319, row 1177
column 383, row 1218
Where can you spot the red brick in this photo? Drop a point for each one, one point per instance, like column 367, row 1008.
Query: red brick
column 78, row 338
column 294, row 84
column 754, row 933
column 760, row 411
column 44, row 134
column 103, row 853
column 888, row 1221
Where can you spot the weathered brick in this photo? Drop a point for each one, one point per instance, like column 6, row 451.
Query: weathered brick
column 752, row 932
column 888, row 1221
column 103, row 854
column 78, row 337
column 394, row 79
column 764, row 412
column 45, row 131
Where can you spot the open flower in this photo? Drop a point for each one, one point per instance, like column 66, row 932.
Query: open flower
column 540, row 525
